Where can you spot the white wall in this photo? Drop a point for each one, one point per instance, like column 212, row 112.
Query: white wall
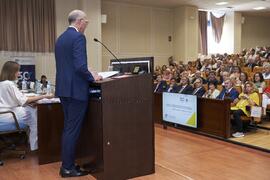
column 136, row 31
column 93, row 10
column 186, row 33
column 237, row 32
column 255, row 31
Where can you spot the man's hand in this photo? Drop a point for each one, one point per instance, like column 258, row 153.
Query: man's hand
column 48, row 96
column 98, row 78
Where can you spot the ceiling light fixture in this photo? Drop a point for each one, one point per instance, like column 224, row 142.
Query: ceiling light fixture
column 259, row 8
column 221, row 3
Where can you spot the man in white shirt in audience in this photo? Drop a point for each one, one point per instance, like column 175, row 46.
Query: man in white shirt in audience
column 266, row 74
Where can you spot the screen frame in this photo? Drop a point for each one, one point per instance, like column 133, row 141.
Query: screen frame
column 124, row 61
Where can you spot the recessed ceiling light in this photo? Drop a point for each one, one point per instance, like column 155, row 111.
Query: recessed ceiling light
column 221, row 3
column 259, row 8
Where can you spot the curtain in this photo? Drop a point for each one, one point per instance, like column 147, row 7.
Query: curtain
column 217, row 26
column 27, row 25
column 203, row 31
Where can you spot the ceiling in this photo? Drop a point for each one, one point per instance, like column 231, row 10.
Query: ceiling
column 235, row 5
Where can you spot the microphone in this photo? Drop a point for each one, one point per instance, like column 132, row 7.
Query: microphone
column 120, row 68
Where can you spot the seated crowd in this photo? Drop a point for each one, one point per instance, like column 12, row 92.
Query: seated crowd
column 243, row 78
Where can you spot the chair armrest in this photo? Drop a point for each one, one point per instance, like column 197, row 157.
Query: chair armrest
column 14, row 117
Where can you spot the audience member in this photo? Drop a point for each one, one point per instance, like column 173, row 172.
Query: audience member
column 160, row 85
column 43, row 81
column 198, row 89
column 185, row 87
column 198, row 64
column 266, row 74
column 251, row 55
column 224, row 76
column 242, row 106
column 172, row 87
column 265, row 99
column 167, row 75
column 206, row 64
column 197, row 75
column 228, row 92
column 212, row 91
column 212, row 78
column 251, row 63
column 243, row 79
column 259, row 82
column 12, row 99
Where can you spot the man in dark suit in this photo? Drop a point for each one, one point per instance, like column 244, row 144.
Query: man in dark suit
column 198, row 88
column 72, row 86
column 172, row 87
column 212, row 78
column 160, row 86
column 228, row 92
column 185, row 87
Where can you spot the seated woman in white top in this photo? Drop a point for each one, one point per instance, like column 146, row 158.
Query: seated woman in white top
column 12, row 99
column 212, row 91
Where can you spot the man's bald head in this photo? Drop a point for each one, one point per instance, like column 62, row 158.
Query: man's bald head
column 77, row 18
column 75, row 15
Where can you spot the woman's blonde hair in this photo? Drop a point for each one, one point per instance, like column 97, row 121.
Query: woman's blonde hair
column 9, row 70
column 251, row 84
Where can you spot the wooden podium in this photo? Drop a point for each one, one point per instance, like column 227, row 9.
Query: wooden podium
column 117, row 135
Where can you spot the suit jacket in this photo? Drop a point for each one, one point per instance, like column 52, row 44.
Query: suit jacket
column 232, row 95
column 72, row 75
column 174, row 89
column 200, row 92
column 187, row 90
column 160, row 87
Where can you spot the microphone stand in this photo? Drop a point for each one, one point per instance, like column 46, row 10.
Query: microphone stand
column 120, row 64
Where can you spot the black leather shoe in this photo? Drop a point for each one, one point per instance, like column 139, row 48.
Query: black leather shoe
column 72, row 173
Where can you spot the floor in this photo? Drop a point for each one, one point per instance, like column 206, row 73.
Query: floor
column 259, row 138
column 265, row 124
column 179, row 155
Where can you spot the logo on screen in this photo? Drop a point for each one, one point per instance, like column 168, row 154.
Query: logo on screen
column 182, row 99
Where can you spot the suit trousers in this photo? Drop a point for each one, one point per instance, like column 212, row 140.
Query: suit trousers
column 74, row 114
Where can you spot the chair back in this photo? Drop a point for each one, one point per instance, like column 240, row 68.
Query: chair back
column 258, row 69
column 11, row 126
column 246, row 69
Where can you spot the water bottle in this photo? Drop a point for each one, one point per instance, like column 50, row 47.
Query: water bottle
column 38, row 87
column 24, row 85
column 48, row 88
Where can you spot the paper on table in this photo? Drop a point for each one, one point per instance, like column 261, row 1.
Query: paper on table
column 256, row 111
column 30, row 94
column 46, row 101
column 107, row 74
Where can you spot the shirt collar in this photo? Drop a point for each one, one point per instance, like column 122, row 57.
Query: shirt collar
column 74, row 28
column 229, row 90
